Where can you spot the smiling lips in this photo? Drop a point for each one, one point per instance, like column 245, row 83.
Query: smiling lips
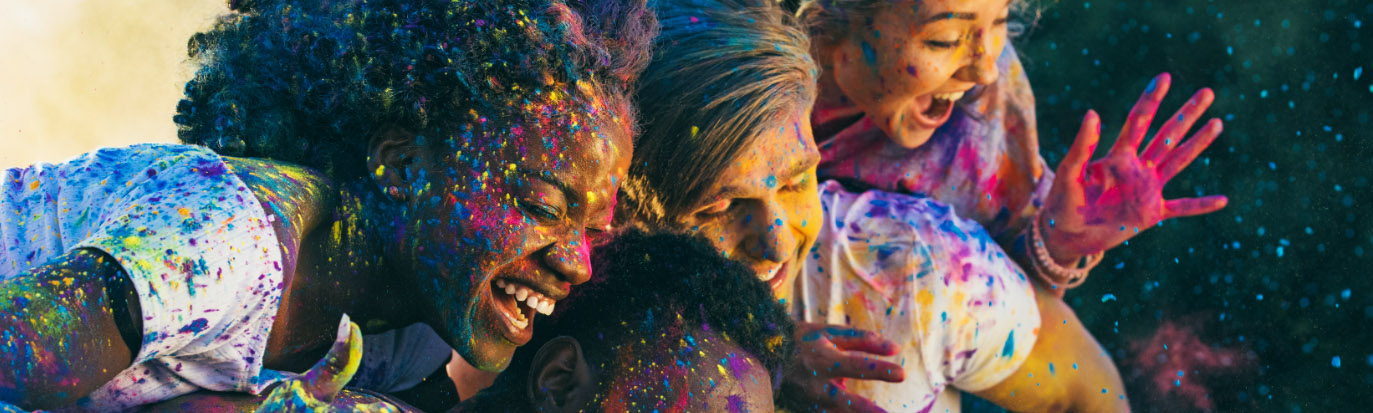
column 776, row 276
column 518, row 303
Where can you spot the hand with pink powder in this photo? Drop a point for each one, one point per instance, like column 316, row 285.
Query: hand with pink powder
column 1097, row 205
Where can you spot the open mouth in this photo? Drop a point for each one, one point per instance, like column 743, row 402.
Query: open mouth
column 937, row 108
column 517, row 303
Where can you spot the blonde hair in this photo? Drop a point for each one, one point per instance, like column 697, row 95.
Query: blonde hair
column 723, row 72
column 827, row 21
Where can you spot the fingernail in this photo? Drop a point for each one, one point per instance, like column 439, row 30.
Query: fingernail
column 344, row 329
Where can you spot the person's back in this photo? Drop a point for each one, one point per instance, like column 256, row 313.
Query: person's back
column 935, row 283
column 200, row 256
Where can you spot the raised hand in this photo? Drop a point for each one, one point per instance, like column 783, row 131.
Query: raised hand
column 1098, row 205
column 827, row 356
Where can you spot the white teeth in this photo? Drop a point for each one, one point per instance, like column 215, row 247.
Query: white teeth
column 948, row 96
column 519, row 324
column 524, row 296
column 771, row 273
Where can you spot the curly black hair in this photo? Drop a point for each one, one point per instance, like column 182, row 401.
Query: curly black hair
column 655, row 288
column 308, row 81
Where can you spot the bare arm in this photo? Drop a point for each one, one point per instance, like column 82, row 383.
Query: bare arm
column 1067, row 369
column 66, row 328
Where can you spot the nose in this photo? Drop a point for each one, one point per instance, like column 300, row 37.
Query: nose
column 770, row 237
column 570, row 259
column 982, row 68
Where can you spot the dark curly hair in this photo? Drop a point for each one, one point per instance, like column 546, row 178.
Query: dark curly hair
column 649, row 289
column 308, row 81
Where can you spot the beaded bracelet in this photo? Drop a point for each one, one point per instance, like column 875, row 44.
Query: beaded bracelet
column 1049, row 271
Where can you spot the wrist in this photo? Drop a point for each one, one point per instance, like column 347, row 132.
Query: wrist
column 1053, row 272
column 1053, row 239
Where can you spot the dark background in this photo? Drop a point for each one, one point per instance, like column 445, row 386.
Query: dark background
column 1265, row 305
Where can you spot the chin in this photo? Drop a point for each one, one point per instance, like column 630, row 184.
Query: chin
column 488, row 357
column 482, row 345
column 909, row 137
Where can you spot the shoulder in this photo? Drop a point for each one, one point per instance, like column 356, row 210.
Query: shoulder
column 294, row 197
column 850, row 210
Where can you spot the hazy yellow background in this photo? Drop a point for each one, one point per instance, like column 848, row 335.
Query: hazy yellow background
column 76, row 75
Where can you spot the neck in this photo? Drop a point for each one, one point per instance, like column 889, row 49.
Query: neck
column 346, row 268
column 333, row 261
column 829, row 95
column 833, row 111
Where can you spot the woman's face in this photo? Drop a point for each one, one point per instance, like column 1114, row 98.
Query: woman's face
column 906, row 65
column 765, row 210
column 502, row 229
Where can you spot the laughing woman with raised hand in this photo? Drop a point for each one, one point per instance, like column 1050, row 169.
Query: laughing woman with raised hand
column 401, row 162
column 927, row 97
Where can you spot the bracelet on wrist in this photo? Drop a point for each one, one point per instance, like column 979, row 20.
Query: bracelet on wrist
column 1049, row 270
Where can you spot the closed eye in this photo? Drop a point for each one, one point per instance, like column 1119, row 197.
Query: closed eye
column 716, row 209
column 541, row 211
column 941, row 44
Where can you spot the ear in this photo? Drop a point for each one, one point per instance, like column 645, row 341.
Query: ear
column 391, row 154
column 559, row 378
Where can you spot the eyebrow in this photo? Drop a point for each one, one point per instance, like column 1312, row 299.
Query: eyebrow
column 955, row 15
column 960, row 15
column 553, row 180
column 797, row 169
column 801, row 167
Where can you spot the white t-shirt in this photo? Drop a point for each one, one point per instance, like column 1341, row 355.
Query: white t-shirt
column 908, row 268
column 202, row 256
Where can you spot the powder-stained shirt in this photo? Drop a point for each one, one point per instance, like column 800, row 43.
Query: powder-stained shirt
column 203, row 257
column 963, row 314
column 195, row 244
column 984, row 161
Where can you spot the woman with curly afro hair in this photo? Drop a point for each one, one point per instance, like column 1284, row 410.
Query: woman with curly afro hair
column 429, row 163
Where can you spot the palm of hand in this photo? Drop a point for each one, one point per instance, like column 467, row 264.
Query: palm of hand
column 1098, row 205
column 1120, row 197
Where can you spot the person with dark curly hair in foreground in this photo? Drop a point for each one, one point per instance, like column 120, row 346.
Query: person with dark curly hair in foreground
column 401, row 162
column 666, row 324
